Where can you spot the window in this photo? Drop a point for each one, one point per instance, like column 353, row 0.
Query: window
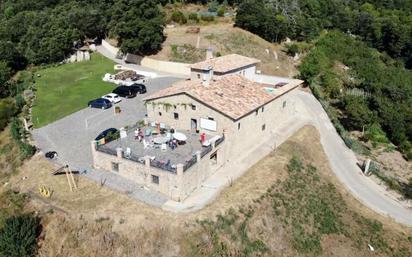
column 284, row 104
column 257, row 111
column 263, row 108
column 263, row 127
column 155, row 179
column 193, row 107
column 210, row 118
column 176, row 115
column 115, row 166
column 160, row 113
column 238, row 126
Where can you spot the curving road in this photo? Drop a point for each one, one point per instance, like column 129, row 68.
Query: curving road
column 344, row 164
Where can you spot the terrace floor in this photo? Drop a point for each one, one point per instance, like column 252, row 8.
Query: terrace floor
column 181, row 154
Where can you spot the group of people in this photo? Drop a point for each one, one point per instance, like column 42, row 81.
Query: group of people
column 138, row 134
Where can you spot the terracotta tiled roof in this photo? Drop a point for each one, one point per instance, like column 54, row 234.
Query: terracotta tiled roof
column 225, row 63
column 233, row 95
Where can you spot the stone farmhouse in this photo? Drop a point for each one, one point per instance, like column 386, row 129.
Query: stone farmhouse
column 221, row 102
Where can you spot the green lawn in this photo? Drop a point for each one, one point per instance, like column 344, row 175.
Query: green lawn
column 65, row 89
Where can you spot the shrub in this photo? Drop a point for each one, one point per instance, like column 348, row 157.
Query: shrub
column 194, row 17
column 375, row 134
column 207, row 18
column 296, row 48
column 26, row 150
column 179, row 17
column 18, row 237
column 7, row 110
column 221, row 11
column 213, row 6
column 20, row 102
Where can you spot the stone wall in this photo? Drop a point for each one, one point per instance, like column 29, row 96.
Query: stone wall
column 113, row 50
column 238, row 138
column 178, row 68
column 177, row 186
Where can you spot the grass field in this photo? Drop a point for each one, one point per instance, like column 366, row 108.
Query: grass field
column 67, row 88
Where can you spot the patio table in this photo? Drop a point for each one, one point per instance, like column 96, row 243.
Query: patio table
column 160, row 140
column 179, row 136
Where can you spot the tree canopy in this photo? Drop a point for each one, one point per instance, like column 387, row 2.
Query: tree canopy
column 385, row 25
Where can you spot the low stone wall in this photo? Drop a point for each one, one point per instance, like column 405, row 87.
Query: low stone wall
column 113, row 50
column 176, row 185
column 165, row 66
column 267, row 79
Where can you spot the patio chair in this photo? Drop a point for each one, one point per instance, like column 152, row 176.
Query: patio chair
column 145, row 144
column 147, row 132
column 128, row 152
column 162, row 126
column 164, row 148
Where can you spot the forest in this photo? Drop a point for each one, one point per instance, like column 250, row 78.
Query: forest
column 359, row 59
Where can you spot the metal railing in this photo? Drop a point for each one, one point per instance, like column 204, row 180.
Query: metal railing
column 190, row 163
column 106, row 149
column 162, row 165
column 205, row 151
column 220, row 140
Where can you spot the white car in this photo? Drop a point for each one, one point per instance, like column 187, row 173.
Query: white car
column 114, row 98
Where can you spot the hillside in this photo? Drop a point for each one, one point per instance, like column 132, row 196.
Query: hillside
column 256, row 216
column 223, row 38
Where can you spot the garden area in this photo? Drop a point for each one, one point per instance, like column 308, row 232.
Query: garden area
column 65, row 89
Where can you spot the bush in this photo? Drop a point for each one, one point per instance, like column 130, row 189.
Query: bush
column 194, row 17
column 213, row 6
column 20, row 102
column 375, row 134
column 221, row 11
column 179, row 17
column 207, row 18
column 18, row 237
column 26, row 150
column 7, row 110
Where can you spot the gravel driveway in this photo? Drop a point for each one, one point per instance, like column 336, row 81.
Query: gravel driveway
column 70, row 137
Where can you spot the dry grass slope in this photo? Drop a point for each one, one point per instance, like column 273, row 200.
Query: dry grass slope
column 223, row 38
column 278, row 212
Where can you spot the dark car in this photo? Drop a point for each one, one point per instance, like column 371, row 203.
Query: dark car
column 100, row 103
column 108, row 135
column 140, row 88
column 125, row 91
column 130, row 91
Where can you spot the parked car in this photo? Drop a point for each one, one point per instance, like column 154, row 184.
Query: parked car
column 125, row 91
column 108, row 135
column 130, row 91
column 100, row 103
column 112, row 97
column 140, row 88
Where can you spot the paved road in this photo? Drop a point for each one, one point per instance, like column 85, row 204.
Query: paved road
column 70, row 137
column 344, row 164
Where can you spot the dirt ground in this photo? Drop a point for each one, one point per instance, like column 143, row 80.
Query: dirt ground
column 96, row 221
column 225, row 39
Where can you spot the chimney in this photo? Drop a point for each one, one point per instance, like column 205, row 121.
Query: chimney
column 209, row 53
column 208, row 77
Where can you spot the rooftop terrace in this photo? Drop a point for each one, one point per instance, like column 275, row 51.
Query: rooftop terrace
column 185, row 154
